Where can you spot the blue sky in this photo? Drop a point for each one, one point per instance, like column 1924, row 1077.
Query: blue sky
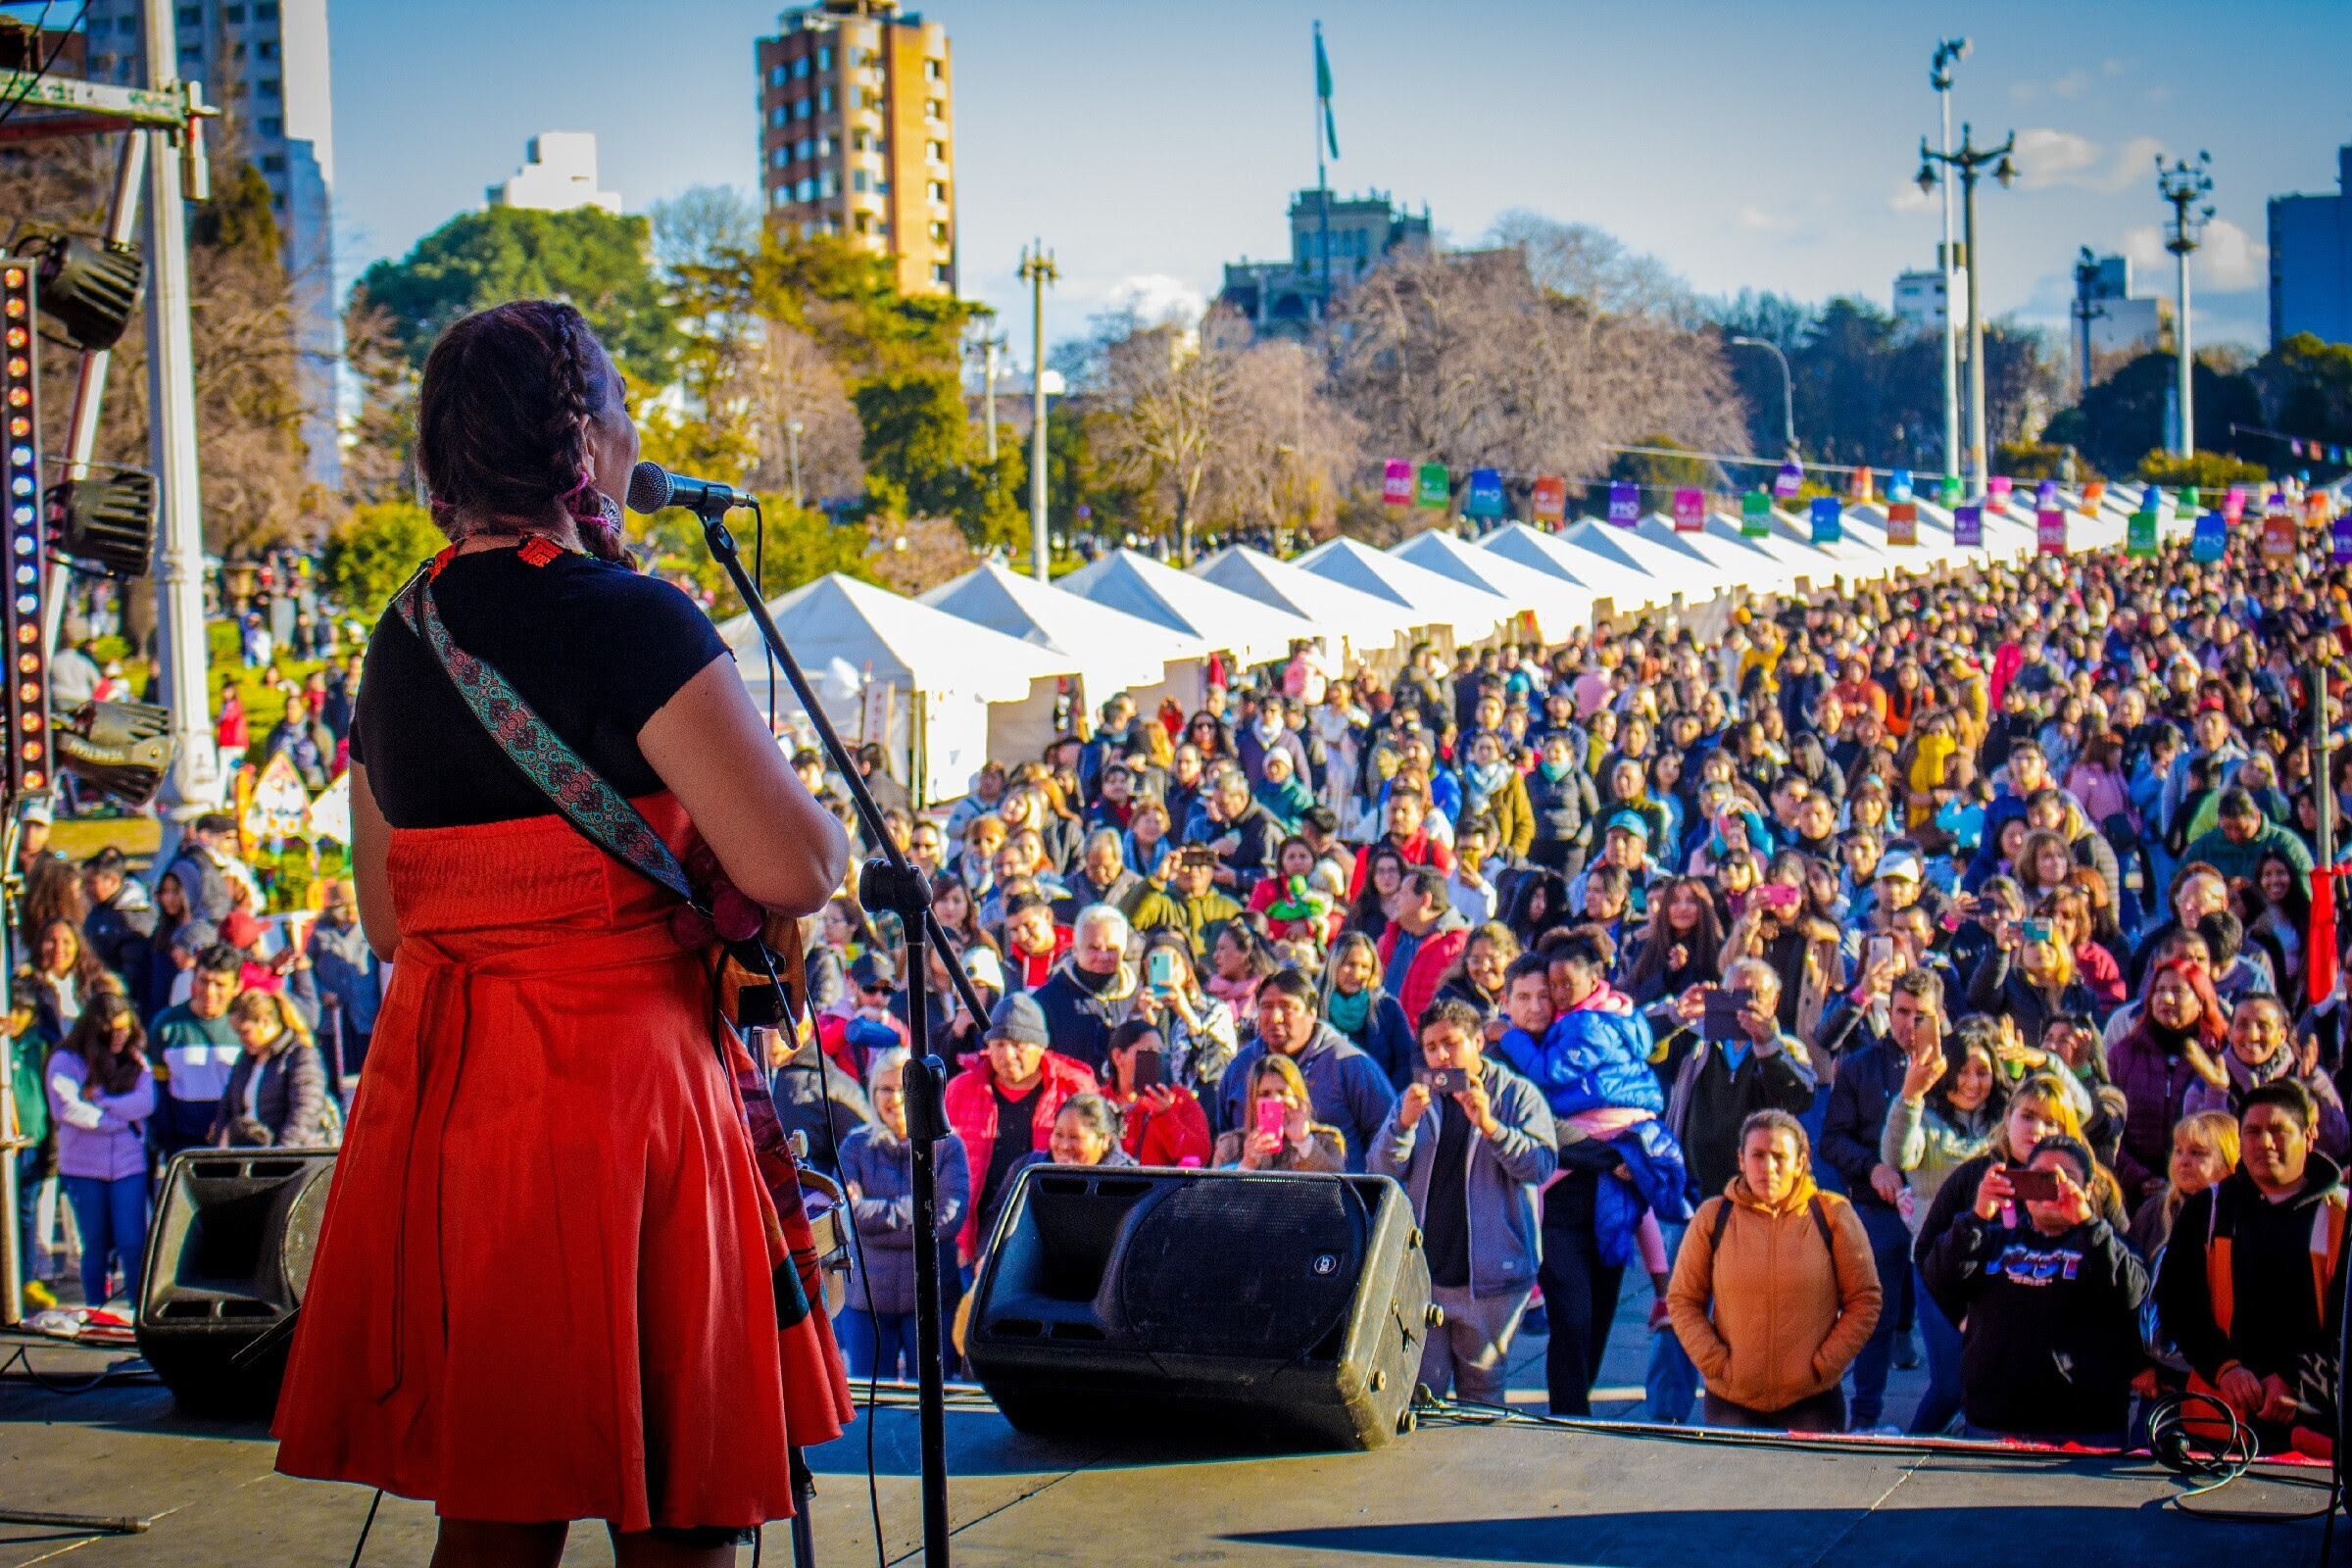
column 1768, row 146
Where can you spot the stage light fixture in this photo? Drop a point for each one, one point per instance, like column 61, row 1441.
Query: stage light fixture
column 120, row 748
column 108, row 521
column 27, row 767
column 88, row 288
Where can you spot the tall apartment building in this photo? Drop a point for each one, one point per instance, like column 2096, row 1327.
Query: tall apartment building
column 857, row 134
column 2311, row 262
column 265, row 63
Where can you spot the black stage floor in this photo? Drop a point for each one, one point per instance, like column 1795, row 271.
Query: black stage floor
column 1518, row 1494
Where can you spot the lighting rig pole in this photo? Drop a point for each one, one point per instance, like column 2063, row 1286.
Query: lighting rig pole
column 2184, row 185
column 1966, row 161
column 1788, row 388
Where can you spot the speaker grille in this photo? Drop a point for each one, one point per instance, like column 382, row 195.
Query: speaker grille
column 1264, row 1269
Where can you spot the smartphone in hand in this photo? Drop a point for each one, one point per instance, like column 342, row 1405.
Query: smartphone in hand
column 1272, row 1117
column 1444, row 1080
column 2031, row 1186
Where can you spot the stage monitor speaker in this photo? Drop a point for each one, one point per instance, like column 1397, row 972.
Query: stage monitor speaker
column 228, row 1255
column 1281, row 1310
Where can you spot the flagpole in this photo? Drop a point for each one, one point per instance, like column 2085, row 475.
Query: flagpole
column 1322, row 180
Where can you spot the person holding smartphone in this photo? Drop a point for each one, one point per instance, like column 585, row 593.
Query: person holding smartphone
column 2047, row 1296
column 1471, row 1141
column 1199, row 1030
column 1163, row 1122
column 1278, row 1130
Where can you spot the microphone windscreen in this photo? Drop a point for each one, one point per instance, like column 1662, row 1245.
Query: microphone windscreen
column 648, row 488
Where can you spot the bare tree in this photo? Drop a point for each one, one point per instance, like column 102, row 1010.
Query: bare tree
column 1288, row 453
column 1464, row 360
column 779, row 378
column 1165, row 401
column 1577, row 261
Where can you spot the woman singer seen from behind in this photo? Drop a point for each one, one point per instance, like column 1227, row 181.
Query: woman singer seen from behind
column 547, row 1116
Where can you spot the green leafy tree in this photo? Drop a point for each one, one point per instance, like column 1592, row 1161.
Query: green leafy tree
column 2306, row 389
column 1655, row 470
column 917, row 431
column 375, row 550
column 2120, row 419
column 598, row 260
column 2209, row 472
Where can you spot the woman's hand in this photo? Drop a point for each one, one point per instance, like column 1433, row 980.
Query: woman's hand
column 1259, row 1150
column 2204, row 1065
column 1921, row 1071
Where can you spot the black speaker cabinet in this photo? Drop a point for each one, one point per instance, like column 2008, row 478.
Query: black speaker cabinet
column 1281, row 1310
column 228, row 1255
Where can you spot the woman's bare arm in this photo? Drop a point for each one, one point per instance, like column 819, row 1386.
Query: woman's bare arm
column 371, row 866
column 778, row 845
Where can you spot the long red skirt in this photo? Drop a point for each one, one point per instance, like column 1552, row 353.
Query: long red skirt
column 543, row 1282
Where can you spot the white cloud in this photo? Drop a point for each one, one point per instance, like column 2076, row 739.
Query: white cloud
column 1755, row 217
column 1909, row 198
column 2048, row 158
column 1157, row 297
column 2073, row 85
column 2230, row 260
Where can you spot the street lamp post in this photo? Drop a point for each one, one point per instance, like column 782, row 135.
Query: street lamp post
column 1940, row 77
column 792, row 443
column 1967, row 160
column 1036, row 271
column 1787, row 387
column 2184, row 185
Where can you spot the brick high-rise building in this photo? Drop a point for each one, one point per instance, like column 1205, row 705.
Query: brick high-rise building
column 857, row 134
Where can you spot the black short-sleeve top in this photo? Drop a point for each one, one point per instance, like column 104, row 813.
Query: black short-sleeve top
column 595, row 648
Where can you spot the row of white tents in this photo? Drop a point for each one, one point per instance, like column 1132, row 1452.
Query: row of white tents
column 976, row 667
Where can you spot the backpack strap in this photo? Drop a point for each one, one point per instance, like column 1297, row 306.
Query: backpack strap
column 578, row 791
column 1723, row 1222
column 1821, row 1223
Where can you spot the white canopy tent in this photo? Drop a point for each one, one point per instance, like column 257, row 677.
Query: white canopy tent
column 1111, row 650
column 1252, row 633
column 1624, row 586
column 1431, row 599
column 941, row 693
column 1558, row 604
column 1755, row 564
column 1660, row 574
column 1368, row 627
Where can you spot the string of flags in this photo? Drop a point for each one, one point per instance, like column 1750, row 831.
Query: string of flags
column 2297, row 446
column 2281, row 520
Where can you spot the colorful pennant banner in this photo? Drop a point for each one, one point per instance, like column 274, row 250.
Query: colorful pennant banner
column 1968, row 526
column 1903, row 522
column 1829, row 523
column 1690, row 510
column 1755, row 514
column 1435, row 489
column 2050, row 533
column 2210, row 540
column 1485, row 499
column 1625, row 503
column 1396, row 482
column 1551, row 497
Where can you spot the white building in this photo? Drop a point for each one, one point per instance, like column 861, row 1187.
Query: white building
column 557, row 174
column 265, row 63
column 1919, row 300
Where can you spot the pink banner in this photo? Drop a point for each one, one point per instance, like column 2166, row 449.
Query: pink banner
column 1396, row 482
column 1690, row 511
column 2050, row 531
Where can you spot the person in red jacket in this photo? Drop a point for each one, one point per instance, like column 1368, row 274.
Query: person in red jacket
column 1003, row 1106
column 1409, row 812
column 1164, row 1122
column 1424, row 938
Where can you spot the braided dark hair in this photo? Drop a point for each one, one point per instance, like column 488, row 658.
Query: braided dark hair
column 502, row 421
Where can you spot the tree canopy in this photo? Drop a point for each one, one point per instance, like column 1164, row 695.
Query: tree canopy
column 600, row 262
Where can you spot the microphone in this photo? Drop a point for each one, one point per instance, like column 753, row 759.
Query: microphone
column 653, row 487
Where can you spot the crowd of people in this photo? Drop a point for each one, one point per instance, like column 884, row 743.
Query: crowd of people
column 163, row 1015
column 1933, row 970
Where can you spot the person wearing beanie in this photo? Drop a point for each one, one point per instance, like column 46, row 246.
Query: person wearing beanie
column 1003, row 1105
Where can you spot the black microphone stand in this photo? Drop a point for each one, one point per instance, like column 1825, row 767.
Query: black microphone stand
column 888, row 881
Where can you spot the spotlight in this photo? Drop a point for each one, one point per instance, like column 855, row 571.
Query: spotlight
column 120, row 748
column 89, row 289
column 109, row 521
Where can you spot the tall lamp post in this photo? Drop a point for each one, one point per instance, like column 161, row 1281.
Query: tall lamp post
column 1787, row 387
column 2184, row 185
column 1967, row 160
column 1036, row 271
column 1948, row 53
